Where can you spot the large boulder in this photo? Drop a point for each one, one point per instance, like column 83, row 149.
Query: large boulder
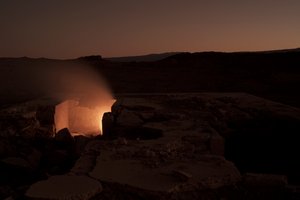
column 64, row 137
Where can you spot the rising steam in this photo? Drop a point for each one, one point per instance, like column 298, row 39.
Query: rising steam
column 84, row 94
column 44, row 77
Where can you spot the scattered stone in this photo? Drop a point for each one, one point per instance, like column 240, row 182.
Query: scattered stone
column 34, row 158
column 184, row 176
column 142, row 108
column 159, row 117
column 84, row 164
column 197, row 140
column 141, row 133
column 7, row 149
column 57, row 161
column 177, row 145
column 93, row 147
column 17, row 162
column 45, row 132
column 265, row 180
column 293, row 192
column 127, row 118
column 30, row 130
column 15, row 171
column 149, row 154
column 5, row 192
column 121, row 141
column 9, row 131
column 217, row 144
column 64, row 187
column 146, row 116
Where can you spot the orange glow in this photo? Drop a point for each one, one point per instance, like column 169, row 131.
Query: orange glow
column 81, row 120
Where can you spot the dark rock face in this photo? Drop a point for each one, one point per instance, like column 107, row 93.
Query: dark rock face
column 258, row 135
column 128, row 120
column 15, row 170
column 266, row 186
column 60, row 153
column 58, row 161
column 265, row 180
column 45, row 115
column 266, row 144
column 19, row 161
column 80, row 143
column 64, row 137
column 136, row 133
column 107, row 123
column 6, row 149
column 5, row 191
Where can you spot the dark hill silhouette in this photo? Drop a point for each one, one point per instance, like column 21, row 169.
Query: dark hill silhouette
column 142, row 58
column 270, row 74
column 273, row 74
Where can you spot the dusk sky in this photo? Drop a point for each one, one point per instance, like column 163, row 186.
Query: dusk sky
column 72, row 28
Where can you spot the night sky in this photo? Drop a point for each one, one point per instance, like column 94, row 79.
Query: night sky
column 71, row 28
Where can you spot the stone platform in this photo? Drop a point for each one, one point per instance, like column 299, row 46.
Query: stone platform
column 183, row 146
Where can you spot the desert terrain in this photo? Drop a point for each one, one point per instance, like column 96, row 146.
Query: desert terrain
column 207, row 125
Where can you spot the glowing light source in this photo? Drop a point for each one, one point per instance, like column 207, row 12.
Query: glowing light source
column 81, row 120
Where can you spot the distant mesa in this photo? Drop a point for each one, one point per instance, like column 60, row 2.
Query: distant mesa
column 188, row 55
column 157, row 56
column 91, row 58
column 143, row 58
column 281, row 51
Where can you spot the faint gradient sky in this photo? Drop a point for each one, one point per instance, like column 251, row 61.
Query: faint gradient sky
column 72, row 28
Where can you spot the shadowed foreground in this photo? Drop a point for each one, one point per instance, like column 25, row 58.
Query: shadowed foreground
column 157, row 146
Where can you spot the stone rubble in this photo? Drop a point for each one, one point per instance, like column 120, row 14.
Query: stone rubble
column 153, row 147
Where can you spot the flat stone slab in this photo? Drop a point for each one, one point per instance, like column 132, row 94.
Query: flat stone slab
column 209, row 173
column 64, row 187
column 189, row 154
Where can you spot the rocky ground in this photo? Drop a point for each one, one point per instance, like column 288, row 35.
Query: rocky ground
column 155, row 146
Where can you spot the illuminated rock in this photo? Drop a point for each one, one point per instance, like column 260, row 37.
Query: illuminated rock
column 80, row 120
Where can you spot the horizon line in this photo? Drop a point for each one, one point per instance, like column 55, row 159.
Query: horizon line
column 155, row 53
